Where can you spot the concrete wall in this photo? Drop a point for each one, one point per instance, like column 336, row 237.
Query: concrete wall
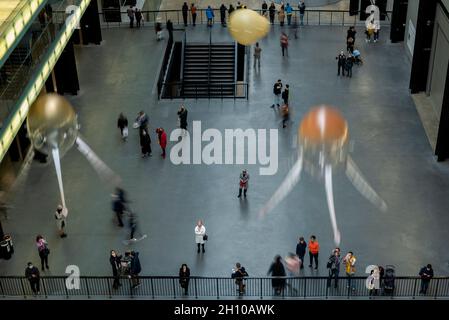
column 412, row 18
column 439, row 61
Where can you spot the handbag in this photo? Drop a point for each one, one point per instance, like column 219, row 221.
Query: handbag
column 205, row 237
column 125, row 132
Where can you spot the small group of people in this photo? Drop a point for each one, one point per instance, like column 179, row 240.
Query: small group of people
column 134, row 13
column 284, row 11
column 141, row 123
column 334, row 263
column 127, row 266
column 285, row 96
column 345, row 64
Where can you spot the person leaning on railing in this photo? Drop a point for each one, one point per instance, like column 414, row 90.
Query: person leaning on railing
column 193, row 11
column 239, row 273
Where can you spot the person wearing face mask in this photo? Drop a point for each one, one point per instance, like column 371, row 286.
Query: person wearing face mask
column 32, row 274
column 115, row 261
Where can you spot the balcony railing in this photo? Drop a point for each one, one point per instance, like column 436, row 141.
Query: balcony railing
column 311, row 17
column 216, row 287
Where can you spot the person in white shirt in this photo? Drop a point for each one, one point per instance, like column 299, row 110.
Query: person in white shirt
column 200, row 232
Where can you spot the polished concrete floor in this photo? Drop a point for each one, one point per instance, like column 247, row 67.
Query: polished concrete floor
column 388, row 139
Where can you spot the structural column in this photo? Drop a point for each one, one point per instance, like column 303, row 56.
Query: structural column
column 442, row 147
column 90, row 25
column 66, row 75
column 398, row 20
column 423, row 45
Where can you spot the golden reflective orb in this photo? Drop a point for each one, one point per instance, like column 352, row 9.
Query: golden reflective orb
column 52, row 123
column 247, row 26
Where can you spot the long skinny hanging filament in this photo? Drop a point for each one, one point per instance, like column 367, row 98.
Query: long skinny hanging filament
column 57, row 162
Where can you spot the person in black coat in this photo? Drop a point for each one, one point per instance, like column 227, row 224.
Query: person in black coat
column 145, row 143
column 182, row 114
column 223, row 14
column 115, row 261
column 231, row 9
column 184, row 278
column 135, row 268
column 349, row 63
column 301, row 250
column 170, row 30
column 272, row 12
column 277, row 270
column 122, row 123
column 341, row 63
column 264, row 8
column 185, row 10
column 351, row 33
column 285, row 94
column 426, row 273
column 32, row 274
column 239, row 273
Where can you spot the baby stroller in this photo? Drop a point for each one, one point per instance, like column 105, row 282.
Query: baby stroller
column 357, row 57
column 389, row 278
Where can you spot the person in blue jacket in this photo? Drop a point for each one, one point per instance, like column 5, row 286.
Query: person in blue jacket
column 210, row 15
column 289, row 12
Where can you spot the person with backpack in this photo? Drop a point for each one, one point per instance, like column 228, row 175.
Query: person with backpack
column 334, row 268
column 184, row 278
column 314, row 248
column 301, row 250
column 426, row 273
column 42, row 248
column 115, row 261
column 349, row 261
column 238, row 274
column 277, row 90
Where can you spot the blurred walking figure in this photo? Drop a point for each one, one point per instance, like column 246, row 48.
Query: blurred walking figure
column 184, row 278
column 170, row 29
column 243, row 183
column 60, row 216
column 158, row 30
column 285, row 115
column 426, row 274
column 122, row 124
column 132, row 222
column 284, row 43
column 118, row 204
column 162, row 139
column 33, row 276
column 141, row 120
column 200, row 233
column 115, row 261
column 239, row 274
column 42, row 248
column 257, row 51
column 277, row 270
column 193, row 11
column 301, row 250
column 145, row 143
column 293, row 264
column 185, row 10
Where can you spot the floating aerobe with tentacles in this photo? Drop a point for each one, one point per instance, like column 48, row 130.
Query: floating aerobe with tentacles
column 323, row 145
column 53, row 129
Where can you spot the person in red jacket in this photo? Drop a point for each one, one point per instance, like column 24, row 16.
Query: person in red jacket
column 314, row 248
column 162, row 139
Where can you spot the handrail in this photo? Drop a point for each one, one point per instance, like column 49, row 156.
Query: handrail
column 210, row 60
column 167, row 286
column 183, row 50
column 235, row 60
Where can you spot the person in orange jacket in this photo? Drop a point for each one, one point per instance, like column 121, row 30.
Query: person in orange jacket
column 314, row 248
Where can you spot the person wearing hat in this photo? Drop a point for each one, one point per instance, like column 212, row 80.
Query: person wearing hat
column 243, row 184
column 60, row 216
